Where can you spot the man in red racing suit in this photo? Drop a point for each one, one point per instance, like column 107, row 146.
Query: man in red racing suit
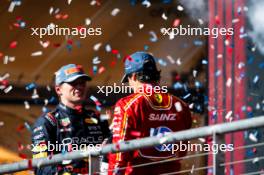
column 150, row 111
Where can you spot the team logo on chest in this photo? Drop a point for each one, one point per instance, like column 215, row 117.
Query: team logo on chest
column 158, row 98
column 65, row 121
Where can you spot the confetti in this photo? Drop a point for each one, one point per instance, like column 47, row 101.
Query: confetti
column 1, row 123
column 180, row 8
column 162, row 62
column 176, row 22
column 253, row 138
column 146, row 3
column 31, row 86
column 178, row 106
column 26, row 105
column 69, row 2
column 172, row 61
column 201, row 22
column 87, row 21
column 256, row 79
column 96, row 60
column 37, row 53
column 13, row 4
column 228, row 115
column 13, row 44
column 115, row 11
column 140, row 26
column 153, row 37
column 229, row 82
column 97, row 46
column 255, row 160
column 130, row 34
column 8, row 89
column 179, row 61
column 164, row 16
column 101, row 69
column 44, row 44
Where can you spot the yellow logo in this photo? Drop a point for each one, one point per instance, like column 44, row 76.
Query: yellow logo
column 91, row 120
column 158, row 98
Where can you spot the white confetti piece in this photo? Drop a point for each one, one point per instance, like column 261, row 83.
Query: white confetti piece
column 96, row 60
column 202, row 140
column 69, row 2
column 130, row 34
column 228, row 115
column 88, row 21
column 201, row 22
column 26, row 105
column 12, row 5
column 108, row 48
column 235, row 20
column 146, row 3
column 5, row 76
column 140, row 26
column 2, row 123
column 172, row 61
column 178, row 106
column 253, row 138
column 256, row 78
column 97, row 46
column 179, row 61
column 115, row 11
column 51, row 10
column 229, row 82
column 180, row 8
column 44, row 44
column 38, row 53
column 192, row 170
column 255, row 160
column 164, row 16
column 8, row 89
column 93, row 2
column 195, row 73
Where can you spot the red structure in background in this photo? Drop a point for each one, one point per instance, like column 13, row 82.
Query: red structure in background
column 226, row 83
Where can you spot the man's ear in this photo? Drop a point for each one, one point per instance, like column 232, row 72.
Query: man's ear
column 58, row 90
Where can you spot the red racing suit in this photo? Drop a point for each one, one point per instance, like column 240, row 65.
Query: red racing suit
column 140, row 115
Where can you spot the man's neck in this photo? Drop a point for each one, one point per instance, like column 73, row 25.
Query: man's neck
column 69, row 104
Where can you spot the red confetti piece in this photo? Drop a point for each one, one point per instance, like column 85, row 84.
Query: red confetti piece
column 101, row 70
column 115, row 51
column 16, row 25
column 18, row 18
column 57, row 45
column 58, row 16
column 13, row 44
column 1, row 54
column 229, row 50
column 113, row 63
column 30, row 167
column 217, row 20
column 20, row 128
column 70, row 42
column 254, row 150
column 65, row 16
column 4, row 82
column 135, row 133
column 23, row 156
column 176, row 22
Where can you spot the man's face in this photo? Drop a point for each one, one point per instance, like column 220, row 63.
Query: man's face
column 73, row 92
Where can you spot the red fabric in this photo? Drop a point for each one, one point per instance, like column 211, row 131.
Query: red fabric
column 146, row 115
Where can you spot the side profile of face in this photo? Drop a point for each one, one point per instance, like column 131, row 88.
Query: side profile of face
column 134, row 83
column 72, row 93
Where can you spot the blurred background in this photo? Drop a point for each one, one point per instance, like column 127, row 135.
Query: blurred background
column 220, row 78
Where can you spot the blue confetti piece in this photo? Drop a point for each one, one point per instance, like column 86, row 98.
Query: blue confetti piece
column 204, row 62
column 178, row 85
column 45, row 109
column 261, row 65
column 197, row 84
column 231, row 171
column 198, row 43
column 146, row 47
column 217, row 73
column 162, row 62
column 52, row 100
column 186, row 96
column 98, row 108
column 69, row 47
column 95, row 69
column 31, row 86
column 28, row 127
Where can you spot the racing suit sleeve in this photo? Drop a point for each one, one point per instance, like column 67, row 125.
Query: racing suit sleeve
column 43, row 132
column 123, row 124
